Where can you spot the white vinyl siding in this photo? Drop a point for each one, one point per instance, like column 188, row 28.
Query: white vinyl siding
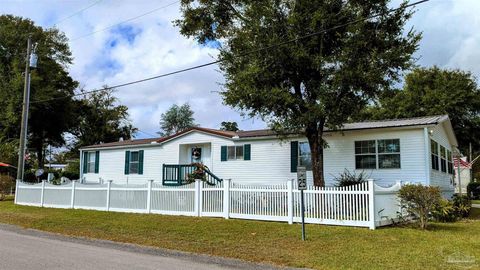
column 270, row 161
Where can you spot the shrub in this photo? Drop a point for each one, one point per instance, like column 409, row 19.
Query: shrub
column 473, row 190
column 445, row 211
column 462, row 205
column 347, row 178
column 420, row 201
column 6, row 184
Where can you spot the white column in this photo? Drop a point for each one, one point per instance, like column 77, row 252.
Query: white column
column 371, row 204
column 109, row 186
column 149, row 196
column 42, row 198
column 290, row 200
column 72, row 202
column 17, row 183
column 226, row 198
column 198, row 191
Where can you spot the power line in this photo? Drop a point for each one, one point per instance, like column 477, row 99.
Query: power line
column 122, row 22
column 78, row 12
column 241, row 55
column 146, row 133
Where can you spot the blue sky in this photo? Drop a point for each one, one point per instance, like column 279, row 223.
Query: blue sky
column 151, row 45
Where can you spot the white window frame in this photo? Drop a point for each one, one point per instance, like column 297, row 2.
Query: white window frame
column 130, row 162
column 90, row 163
column 399, row 153
column 377, row 154
column 237, row 155
column 299, row 156
column 435, row 155
column 366, row 154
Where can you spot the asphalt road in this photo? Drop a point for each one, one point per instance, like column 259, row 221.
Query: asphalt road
column 32, row 250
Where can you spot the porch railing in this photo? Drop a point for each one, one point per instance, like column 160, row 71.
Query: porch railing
column 177, row 174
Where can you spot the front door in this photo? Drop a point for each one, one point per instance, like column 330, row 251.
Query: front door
column 196, row 155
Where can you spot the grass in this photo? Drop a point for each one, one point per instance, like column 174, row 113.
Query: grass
column 327, row 247
column 475, row 201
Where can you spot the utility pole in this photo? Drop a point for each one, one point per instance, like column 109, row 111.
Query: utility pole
column 470, row 161
column 26, row 101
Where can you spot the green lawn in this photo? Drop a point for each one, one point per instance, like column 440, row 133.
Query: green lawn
column 476, row 201
column 327, row 247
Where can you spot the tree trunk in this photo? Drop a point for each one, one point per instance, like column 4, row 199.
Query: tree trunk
column 314, row 136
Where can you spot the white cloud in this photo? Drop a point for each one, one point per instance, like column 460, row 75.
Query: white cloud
column 450, row 39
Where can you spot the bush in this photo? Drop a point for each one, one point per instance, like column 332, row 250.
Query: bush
column 473, row 190
column 445, row 211
column 462, row 205
column 420, row 201
column 453, row 210
column 347, row 178
column 6, row 184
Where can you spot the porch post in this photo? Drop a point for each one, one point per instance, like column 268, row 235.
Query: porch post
column 290, row 200
column 226, row 198
column 371, row 204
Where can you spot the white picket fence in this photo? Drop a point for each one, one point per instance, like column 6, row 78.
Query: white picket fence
column 363, row 205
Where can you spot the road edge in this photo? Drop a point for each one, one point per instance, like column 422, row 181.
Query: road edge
column 134, row 248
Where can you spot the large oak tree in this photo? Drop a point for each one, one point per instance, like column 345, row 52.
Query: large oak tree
column 313, row 83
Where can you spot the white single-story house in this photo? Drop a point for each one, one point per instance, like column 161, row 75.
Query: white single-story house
column 417, row 150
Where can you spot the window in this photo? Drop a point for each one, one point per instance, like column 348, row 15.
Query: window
column 384, row 152
column 235, row 152
column 304, row 156
column 434, row 151
column 443, row 160
column 450, row 162
column 389, row 154
column 91, row 162
column 134, row 162
column 365, row 155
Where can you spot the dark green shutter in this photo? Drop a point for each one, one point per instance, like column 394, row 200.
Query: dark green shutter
column 127, row 162
column 140, row 162
column 223, row 154
column 293, row 156
column 246, row 152
column 85, row 162
column 97, row 161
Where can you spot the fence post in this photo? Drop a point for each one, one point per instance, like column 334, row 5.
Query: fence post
column 198, row 205
column 149, row 196
column 72, row 201
column 109, row 186
column 290, row 200
column 226, row 199
column 42, row 198
column 371, row 204
column 17, row 183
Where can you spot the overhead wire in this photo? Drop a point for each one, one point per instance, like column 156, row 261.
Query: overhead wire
column 240, row 55
column 125, row 21
column 77, row 12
